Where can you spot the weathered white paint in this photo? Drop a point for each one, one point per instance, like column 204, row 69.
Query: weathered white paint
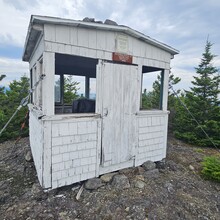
column 74, row 147
column 36, row 141
column 47, row 83
column 64, row 151
column 37, row 52
column 165, row 89
column 47, row 139
column 83, row 41
column 74, row 150
column 152, row 136
column 118, row 110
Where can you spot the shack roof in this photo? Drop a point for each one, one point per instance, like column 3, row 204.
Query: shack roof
column 35, row 29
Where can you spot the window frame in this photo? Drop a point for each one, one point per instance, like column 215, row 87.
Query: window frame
column 160, row 104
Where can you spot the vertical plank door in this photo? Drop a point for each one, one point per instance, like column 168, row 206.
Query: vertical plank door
column 119, row 105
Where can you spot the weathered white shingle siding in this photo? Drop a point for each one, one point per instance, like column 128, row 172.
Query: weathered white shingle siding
column 48, row 83
column 36, row 142
column 152, row 137
column 37, row 52
column 74, row 151
column 100, row 44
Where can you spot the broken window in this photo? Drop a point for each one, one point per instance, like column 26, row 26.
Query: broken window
column 152, row 88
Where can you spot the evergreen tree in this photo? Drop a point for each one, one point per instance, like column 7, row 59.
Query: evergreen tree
column 2, row 98
column 70, row 90
column 9, row 101
column 172, row 100
column 203, row 102
column 151, row 99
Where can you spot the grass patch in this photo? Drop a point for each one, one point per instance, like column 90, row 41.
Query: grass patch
column 199, row 150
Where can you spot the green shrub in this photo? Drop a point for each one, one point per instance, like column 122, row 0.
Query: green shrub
column 211, row 168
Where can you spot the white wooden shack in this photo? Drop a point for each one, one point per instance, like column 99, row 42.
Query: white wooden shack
column 71, row 147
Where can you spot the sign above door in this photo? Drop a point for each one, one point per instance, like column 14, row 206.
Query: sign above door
column 122, row 57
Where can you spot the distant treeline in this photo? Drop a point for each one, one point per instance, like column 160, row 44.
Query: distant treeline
column 202, row 100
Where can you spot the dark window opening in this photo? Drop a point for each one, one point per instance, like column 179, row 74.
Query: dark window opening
column 75, row 84
column 152, row 88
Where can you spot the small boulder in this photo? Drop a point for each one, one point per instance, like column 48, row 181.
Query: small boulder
column 140, row 170
column 139, row 184
column 108, row 21
column 139, row 177
column 86, row 19
column 169, row 187
column 191, row 167
column 36, row 189
column 149, row 165
column 161, row 164
column 120, row 182
column 94, row 183
column 28, row 156
column 107, row 177
column 128, row 171
column 37, row 192
column 152, row 174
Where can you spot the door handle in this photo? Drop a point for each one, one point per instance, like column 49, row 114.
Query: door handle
column 105, row 112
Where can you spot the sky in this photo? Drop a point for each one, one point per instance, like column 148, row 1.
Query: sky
column 184, row 25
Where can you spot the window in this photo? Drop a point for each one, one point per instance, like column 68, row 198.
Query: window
column 35, row 74
column 152, row 88
column 74, row 88
column 92, row 88
column 75, row 84
column 57, row 89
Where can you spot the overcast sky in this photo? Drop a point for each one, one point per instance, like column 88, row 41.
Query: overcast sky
column 183, row 25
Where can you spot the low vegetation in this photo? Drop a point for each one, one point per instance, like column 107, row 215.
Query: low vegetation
column 211, row 168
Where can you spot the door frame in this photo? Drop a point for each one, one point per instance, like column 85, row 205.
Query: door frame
column 100, row 109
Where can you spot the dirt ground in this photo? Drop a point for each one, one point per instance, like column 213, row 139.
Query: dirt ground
column 175, row 190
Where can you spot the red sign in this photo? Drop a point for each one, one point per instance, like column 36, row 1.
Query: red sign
column 122, row 57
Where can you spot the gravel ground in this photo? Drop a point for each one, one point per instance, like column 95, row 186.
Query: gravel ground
column 172, row 190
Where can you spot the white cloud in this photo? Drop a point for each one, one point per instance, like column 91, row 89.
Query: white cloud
column 184, row 25
column 13, row 69
column 186, row 78
column 15, row 16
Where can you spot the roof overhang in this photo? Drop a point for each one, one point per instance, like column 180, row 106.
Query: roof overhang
column 35, row 29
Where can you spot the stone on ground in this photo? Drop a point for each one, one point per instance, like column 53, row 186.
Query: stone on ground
column 28, row 156
column 140, row 170
column 139, row 184
column 151, row 174
column 149, row 165
column 94, row 183
column 120, row 182
column 161, row 164
column 107, row 177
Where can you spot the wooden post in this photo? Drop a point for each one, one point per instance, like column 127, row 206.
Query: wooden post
column 87, row 85
column 161, row 89
column 48, row 83
column 165, row 89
